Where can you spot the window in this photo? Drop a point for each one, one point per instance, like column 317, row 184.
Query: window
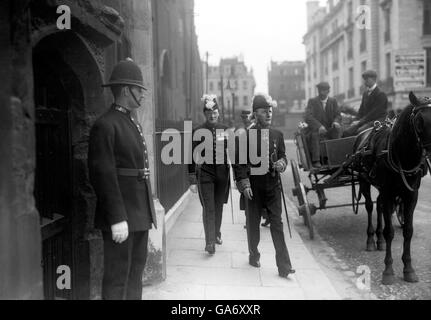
column 350, row 12
column 335, row 57
column 363, row 66
column 363, row 43
column 211, row 86
column 427, row 17
column 387, row 14
column 336, row 85
column 388, row 65
column 245, row 101
column 351, row 91
column 428, row 67
column 245, row 85
column 350, row 45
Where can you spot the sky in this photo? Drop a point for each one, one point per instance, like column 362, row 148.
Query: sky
column 260, row 30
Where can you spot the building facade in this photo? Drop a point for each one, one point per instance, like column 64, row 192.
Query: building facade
column 51, row 96
column 286, row 85
column 349, row 36
column 234, row 85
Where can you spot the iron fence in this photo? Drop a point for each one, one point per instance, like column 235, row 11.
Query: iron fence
column 172, row 179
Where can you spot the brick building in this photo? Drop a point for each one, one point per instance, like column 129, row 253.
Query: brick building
column 51, row 95
column 345, row 38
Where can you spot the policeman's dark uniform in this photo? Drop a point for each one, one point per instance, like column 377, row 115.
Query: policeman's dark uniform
column 213, row 182
column 266, row 194
column 119, row 174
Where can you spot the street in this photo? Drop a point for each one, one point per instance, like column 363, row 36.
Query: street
column 344, row 232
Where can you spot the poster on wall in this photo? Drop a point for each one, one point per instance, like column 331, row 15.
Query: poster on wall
column 410, row 69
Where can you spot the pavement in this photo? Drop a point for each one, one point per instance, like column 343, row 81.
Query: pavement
column 192, row 274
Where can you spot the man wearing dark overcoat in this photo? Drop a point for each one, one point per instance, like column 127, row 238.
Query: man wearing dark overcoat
column 373, row 107
column 261, row 188
column 324, row 121
column 209, row 175
column 119, row 173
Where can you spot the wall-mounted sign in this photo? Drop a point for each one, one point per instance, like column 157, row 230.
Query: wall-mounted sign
column 409, row 69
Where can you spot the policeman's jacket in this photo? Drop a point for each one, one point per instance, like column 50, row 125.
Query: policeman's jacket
column 117, row 145
column 219, row 164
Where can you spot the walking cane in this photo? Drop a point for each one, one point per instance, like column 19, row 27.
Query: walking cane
column 231, row 200
column 285, row 207
column 274, row 159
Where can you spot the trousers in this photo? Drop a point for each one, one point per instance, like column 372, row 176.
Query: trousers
column 266, row 194
column 124, row 265
column 212, row 188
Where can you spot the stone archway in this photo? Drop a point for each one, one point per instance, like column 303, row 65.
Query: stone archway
column 68, row 97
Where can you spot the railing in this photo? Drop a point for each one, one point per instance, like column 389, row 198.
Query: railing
column 171, row 180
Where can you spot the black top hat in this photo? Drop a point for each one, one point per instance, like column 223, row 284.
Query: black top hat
column 126, row 73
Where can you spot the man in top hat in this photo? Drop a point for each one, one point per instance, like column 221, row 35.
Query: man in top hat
column 324, row 121
column 119, row 173
column 261, row 189
column 248, row 122
column 373, row 107
column 210, row 175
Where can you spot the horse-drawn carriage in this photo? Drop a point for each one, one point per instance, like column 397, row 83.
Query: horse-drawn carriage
column 334, row 173
column 393, row 157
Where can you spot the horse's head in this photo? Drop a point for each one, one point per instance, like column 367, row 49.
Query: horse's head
column 421, row 120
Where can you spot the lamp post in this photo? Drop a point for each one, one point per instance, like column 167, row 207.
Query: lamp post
column 231, row 89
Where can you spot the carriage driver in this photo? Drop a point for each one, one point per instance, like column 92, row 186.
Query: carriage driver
column 323, row 118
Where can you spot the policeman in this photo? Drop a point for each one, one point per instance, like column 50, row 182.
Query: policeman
column 119, row 173
column 264, row 190
column 210, row 174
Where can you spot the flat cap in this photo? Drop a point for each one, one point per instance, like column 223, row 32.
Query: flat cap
column 323, row 85
column 369, row 74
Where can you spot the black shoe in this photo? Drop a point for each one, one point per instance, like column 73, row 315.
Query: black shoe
column 266, row 223
column 219, row 240
column 254, row 262
column 285, row 274
column 210, row 248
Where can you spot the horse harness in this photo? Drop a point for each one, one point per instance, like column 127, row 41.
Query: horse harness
column 396, row 165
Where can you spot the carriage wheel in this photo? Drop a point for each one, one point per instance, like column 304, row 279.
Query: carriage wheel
column 306, row 212
column 300, row 193
column 399, row 211
column 295, row 173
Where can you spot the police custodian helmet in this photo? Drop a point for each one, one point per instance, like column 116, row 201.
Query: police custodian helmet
column 126, row 73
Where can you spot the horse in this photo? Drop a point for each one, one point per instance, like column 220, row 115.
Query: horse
column 394, row 159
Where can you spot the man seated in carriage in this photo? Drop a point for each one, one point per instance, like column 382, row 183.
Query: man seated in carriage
column 323, row 118
column 373, row 107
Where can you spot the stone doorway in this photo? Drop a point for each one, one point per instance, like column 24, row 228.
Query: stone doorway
column 55, row 86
